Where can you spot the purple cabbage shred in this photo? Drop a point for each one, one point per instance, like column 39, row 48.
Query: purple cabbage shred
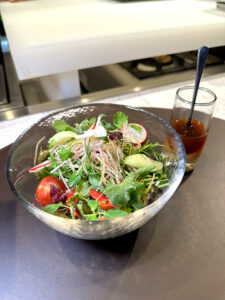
column 55, row 193
column 116, row 135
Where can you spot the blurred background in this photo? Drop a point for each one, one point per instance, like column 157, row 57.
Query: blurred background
column 55, row 53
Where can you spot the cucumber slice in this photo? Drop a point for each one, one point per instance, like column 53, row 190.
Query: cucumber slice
column 141, row 161
column 61, row 137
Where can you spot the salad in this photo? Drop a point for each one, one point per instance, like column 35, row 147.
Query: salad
column 96, row 170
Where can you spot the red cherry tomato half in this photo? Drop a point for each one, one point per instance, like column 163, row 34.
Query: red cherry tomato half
column 49, row 190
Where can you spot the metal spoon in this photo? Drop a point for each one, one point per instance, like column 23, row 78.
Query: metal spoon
column 201, row 60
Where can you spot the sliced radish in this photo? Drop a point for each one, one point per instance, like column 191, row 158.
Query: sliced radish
column 95, row 130
column 40, row 166
column 135, row 133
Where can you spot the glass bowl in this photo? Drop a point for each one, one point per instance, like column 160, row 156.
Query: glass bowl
column 23, row 184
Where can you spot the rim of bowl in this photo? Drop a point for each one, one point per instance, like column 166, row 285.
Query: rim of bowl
column 181, row 152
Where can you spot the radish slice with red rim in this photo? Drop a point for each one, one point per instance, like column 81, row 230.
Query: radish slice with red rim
column 40, row 166
column 135, row 133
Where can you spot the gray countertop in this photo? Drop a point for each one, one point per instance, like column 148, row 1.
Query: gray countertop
column 178, row 255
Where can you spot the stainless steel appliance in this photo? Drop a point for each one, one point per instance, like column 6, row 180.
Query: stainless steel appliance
column 10, row 93
column 150, row 72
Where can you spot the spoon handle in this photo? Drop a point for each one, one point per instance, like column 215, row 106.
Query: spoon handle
column 201, row 60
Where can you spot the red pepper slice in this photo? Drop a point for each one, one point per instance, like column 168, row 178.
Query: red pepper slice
column 102, row 200
column 76, row 211
column 92, row 127
column 69, row 195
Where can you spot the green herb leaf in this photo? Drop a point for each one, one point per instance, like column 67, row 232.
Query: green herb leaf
column 75, row 178
column 107, row 125
column 149, row 148
column 53, row 165
column 161, row 185
column 52, row 208
column 128, row 193
column 83, row 189
column 86, row 208
column 128, row 210
column 93, row 204
column 60, row 125
column 92, row 217
column 114, row 213
column 143, row 172
column 136, row 195
column 92, row 121
column 102, row 115
column 84, row 125
column 80, row 208
column 43, row 173
column 94, row 179
column 120, row 119
column 65, row 154
column 119, row 194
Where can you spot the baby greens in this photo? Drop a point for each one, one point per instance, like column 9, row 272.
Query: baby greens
column 105, row 176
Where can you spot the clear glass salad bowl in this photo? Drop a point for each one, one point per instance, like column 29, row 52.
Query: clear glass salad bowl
column 23, row 184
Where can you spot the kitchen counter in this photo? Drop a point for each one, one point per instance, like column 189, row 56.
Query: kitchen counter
column 161, row 97
column 49, row 37
column 178, row 255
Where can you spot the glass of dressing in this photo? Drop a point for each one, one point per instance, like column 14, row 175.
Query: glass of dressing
column 193, row 136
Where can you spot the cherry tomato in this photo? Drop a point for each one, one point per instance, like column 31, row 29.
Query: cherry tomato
column 49, row 190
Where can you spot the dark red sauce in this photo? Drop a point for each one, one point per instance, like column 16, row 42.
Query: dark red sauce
column 193, row 136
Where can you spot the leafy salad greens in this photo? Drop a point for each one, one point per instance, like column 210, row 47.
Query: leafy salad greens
column 96, row 170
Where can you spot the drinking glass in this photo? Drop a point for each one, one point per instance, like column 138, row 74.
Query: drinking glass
column 193, row 136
